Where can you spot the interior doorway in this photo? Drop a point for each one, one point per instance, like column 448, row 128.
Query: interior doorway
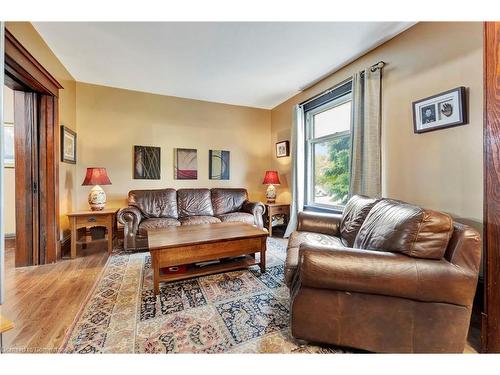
column 36, row 145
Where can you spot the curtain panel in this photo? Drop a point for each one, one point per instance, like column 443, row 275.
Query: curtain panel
column 366, row 154
column 298, row 164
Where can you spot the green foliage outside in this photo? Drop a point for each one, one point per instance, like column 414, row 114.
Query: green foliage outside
column 332, row 171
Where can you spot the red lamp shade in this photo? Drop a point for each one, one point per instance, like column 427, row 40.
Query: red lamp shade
column 96, row 176
column 271, row 178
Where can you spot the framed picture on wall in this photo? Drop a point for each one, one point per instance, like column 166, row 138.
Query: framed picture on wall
column 68, row 145
column 147, row 163
column 8, row 145
column 185, row 164
column 440, row 111
column 282, row 149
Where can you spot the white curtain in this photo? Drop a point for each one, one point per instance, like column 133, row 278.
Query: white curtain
column 366, row 172
column 2, row 249
column 297, row 148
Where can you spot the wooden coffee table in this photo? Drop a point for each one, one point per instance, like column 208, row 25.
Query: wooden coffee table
column 200, row 243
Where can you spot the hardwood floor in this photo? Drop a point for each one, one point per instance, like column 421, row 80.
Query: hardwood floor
column 43, row 301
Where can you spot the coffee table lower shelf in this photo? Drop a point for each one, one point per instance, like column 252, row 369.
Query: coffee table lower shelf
column 224, row 266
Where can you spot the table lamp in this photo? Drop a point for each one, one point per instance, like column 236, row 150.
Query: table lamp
column 271, row 178
column 97, row 196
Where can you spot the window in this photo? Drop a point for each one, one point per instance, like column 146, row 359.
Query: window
column 328, row 148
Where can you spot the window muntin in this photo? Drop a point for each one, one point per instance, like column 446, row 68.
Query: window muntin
column 328, row 148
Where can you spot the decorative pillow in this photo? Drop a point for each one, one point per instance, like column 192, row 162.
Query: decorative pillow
column 355, row 212
column 396, row 226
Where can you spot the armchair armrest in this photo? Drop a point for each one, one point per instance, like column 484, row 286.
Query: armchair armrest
column 385, row 273
column 319, row 223
column 257, row 209
column 130, row 217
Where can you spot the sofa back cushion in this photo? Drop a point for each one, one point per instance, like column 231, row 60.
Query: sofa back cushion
column 155, row 203
column 225, row 201
column 194, row 202
column 355, row 212
column 404, row 228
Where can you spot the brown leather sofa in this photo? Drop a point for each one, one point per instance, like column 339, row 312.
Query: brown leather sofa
column 385, row 276
column 164, row 208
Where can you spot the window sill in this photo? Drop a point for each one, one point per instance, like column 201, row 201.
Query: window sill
column 322, row 209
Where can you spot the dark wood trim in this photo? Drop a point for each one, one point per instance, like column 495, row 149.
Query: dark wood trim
column 23, row 68
column 490, row 335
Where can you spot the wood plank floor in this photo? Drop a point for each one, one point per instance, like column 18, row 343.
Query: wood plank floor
column 43, row 301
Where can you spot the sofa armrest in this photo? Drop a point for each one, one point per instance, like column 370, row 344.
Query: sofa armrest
column 257, row 209
column 384, row 273
column 130, row 217
column 319, row 223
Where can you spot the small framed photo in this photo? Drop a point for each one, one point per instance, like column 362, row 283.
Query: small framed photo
column 282, row 149
column 8, row 145
column 440, row 111
column 68, row 145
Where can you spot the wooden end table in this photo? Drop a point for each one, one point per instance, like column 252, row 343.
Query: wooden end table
column 86, row 219
column 200, row 243
column 275, row 209
column 5, row 325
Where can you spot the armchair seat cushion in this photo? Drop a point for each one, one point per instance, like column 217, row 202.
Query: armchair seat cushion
column 242, row 217
column 195, row 220
column 298, row 238
column 157, row 223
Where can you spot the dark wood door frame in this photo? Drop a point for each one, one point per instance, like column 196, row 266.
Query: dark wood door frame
column 37, row 149
column 490, row 330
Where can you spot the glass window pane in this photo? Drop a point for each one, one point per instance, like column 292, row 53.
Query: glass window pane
column 333, row 120
column 331, row 171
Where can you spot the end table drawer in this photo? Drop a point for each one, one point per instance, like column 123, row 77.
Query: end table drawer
column 92, row 220
column 280, row 210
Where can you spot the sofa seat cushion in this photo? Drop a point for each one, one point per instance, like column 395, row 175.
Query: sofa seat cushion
column 401, row 227
column 353, row 216
column 195, row 220
column 296, row 239
column 237, row 216
column 158, row 223
column 194, row 202
column 155, row 203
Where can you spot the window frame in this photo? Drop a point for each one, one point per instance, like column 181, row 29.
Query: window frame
column 343, row 95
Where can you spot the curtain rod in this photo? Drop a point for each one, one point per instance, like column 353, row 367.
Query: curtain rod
column 373, row 68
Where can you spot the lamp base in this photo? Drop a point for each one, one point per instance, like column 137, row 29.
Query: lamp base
column 271, row 194
column 97, row 198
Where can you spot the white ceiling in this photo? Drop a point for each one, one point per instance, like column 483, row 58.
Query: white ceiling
column 253, row 64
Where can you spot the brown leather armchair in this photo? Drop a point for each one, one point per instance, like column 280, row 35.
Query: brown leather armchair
column 385, row 276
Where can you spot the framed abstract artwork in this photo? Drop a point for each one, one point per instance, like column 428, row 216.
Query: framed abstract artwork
column 147, row 163
column 68, row 145
column 440, row 111
column 8, row 145
column 185, row 164
column 218, row 165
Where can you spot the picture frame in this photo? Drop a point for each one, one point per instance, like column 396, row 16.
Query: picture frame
column 68, row 145
column 282, row 149
column 8, row 146
column 185, row 164
column 147, row 162
column 218, row 164
column 440, row 111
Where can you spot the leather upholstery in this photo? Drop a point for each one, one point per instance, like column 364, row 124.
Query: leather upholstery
column 166, row 207
column 195, row 220
column 355, row 212
column 294, row 242
column 194, row 202
column 401, row 227
column 228, row 200
column 414, row 293
column 319, row 223
column 158, row 223
column 154, row 203
column 242, row 217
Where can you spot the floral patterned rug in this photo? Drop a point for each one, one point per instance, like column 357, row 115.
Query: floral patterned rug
column 234, row 312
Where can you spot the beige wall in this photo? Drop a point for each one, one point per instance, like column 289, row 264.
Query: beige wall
column 111, row 121
column 9, row 173
column 441, row 170
column 32, row 41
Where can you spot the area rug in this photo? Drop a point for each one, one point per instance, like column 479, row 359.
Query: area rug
column 234, row 312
